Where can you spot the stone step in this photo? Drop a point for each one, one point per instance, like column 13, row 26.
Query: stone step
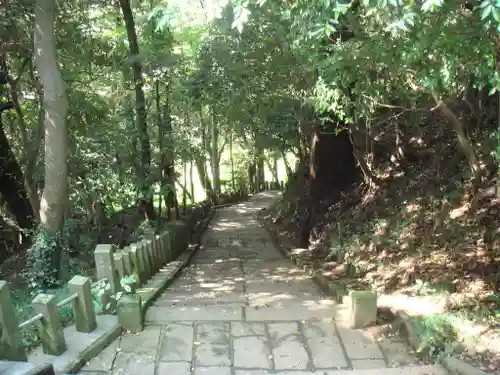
column 406, row 370
column 25, row 368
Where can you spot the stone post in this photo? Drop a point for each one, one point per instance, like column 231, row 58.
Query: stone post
column 105, row 266
column 11, row 346
column 149, row 254
column 160, row 257
column 363, row 308
column 137, row 260
column 83, row 306
column 130, row 312
column 119, row 264
column 167, row 249
column 50, row 329
column 127, row 261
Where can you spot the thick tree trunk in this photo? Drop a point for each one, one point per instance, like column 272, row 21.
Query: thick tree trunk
column 168, row 172
column 141, row 115
column 55, row 193
column 204, row 179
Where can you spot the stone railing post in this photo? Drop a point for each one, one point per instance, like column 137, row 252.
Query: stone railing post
column 138, row 261
column 148, row 263
column 83, row 306
column 127, row 261
column 119, row 263
column 11, row 346
column 166, row 246
column 105, row 266
column 158, row 255
column 50, row 329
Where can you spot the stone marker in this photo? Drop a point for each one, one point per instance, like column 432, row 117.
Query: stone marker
column 83, row 306
column 11, row 346
column 363, row 308
column 130, row 312
column 50, row 330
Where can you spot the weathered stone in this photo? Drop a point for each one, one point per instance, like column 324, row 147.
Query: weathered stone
column 177, row 342
column 291, row 310
column 104, row 360
column 396, row 352
column 11, row 346
column 165, row 315
column 119, row 263
column 138, row 263
column 289, row 352
column 105, row 266
column 239, row 329
column 134, row 364
column 252, row 351
column 368, row 364
column 83, row 306
column 218, row 370
column 359, row 344
column 212, row 345
column 174, row 368
column 325, row 345
column 130, row 312
column 363, row 308
column 142, row 342
column 51, row 332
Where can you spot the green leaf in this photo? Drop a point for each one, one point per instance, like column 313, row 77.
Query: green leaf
column 486, row 11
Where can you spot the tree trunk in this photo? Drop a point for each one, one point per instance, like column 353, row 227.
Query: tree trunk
column 184, row 190
column 288, row 169
column 191, row 180
column 55, row 192
column 144, row 183
column 204, row 179
column 215, row 162
column 161, row 136
column 464, row 143
column 231, row 159
column 168, row 166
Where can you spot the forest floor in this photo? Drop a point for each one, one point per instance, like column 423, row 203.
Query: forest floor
column 425, row 243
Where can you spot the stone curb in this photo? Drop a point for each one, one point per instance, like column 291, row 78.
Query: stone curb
column 452, row 364
column 93, row 350
column 406, row 325
column 461, row 368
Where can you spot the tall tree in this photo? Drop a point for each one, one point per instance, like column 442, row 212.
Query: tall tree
column 55, row 192
column 144, row 169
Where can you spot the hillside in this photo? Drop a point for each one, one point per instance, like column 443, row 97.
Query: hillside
column 423, row 229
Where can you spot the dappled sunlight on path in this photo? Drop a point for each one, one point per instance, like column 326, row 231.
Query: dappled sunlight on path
column 240, row 308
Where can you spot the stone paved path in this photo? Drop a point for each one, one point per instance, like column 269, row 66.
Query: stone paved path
column 241, row 309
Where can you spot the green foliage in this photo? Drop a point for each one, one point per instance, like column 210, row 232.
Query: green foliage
column 107, row 302
column 438, row 335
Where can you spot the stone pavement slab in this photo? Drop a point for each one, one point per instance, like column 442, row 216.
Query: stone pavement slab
column 241, row 309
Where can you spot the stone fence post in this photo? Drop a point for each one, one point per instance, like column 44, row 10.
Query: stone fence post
column 11, row 346
column 49, row 328
column 105, row 266
column 83, row 305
